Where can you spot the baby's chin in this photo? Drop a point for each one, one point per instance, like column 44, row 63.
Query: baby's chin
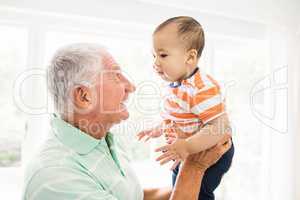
column 166, row 78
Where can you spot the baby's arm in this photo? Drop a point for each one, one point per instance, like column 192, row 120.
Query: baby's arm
column 150, row 133
column 209, row 135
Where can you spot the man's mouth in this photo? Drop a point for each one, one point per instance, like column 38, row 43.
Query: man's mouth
column 160, row 73
column 124, row 104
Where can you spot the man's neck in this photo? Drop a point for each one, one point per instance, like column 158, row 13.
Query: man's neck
column 94, row 129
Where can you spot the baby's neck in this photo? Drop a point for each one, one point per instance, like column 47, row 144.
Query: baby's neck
column 190, row 72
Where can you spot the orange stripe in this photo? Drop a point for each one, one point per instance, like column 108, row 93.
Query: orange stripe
column 184, row 115
column 173, row 104
column 213, row 81
column 198, row 81
column 186, row 83
column 184, row 96
column 205, row 95
column 211, row 112
column 167, row 121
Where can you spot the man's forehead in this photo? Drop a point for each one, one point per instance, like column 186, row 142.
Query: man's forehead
column 109, row 62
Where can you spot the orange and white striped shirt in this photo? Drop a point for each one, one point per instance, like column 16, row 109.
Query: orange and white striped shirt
column 192, row 103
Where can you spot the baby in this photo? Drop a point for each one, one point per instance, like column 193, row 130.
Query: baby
column 194, row 117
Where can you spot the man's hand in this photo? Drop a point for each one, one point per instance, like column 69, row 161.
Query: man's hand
column 193, row 169
column 205, row 159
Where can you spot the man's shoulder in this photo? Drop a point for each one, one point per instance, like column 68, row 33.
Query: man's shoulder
column 52, row 153
column 46, row 162
column 47, row 179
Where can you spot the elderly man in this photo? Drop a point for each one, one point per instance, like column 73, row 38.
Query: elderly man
column 80, row 159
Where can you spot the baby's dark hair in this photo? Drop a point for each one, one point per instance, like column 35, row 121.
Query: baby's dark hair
column 189, row 30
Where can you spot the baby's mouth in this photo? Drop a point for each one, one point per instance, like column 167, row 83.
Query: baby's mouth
column 160, row 73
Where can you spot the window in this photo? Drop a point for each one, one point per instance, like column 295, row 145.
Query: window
column 13, row 56
column 239, row 65
column 13, row 60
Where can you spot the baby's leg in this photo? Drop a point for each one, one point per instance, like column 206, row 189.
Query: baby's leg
column 213, row 175
column 174, row 175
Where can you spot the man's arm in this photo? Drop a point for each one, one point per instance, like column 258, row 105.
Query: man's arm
column 157, row 193
column 187, row 184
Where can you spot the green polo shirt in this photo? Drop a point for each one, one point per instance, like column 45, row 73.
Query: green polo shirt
column 72, row 165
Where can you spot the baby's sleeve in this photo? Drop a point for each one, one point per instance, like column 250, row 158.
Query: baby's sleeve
column 208, row 102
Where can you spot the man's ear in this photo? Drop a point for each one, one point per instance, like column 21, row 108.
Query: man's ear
column 192, row 56
column 82, row 97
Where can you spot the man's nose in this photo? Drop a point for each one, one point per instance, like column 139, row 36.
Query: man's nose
column 130, row 87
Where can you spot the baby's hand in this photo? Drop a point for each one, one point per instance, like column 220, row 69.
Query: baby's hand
column 152, row 133
column 177, row 151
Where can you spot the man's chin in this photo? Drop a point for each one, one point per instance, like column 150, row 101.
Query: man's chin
column 124, row 115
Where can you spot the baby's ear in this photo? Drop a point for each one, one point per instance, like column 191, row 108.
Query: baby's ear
column 192, row 56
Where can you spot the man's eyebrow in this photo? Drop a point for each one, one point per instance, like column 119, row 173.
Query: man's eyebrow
column 161, row 49
column 116, row 68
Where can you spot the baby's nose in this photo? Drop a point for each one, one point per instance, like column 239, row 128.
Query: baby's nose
column 156, row 62
column 156, row 67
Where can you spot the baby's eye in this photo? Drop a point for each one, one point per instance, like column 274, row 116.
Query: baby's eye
column 163, row 55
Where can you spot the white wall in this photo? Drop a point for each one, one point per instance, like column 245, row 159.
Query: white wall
column 270, row 11
column 296, row 110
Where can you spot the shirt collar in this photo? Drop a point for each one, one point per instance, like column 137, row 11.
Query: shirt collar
column 178, row 83
column 74, row 138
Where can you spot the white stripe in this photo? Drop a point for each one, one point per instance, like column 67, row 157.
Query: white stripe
column 209, row 103
column 188, row 89
column 184, row 105
column 205, row 78
column 189, row 128
column 174, row 110
column 170, row 109
column 170, row 117
column 206, row 81
column 206, row 87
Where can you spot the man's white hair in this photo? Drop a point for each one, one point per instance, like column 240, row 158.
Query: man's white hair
column 72, row 65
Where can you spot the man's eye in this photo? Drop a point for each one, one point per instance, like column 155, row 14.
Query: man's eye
column 119, row 76
column 163, row 55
